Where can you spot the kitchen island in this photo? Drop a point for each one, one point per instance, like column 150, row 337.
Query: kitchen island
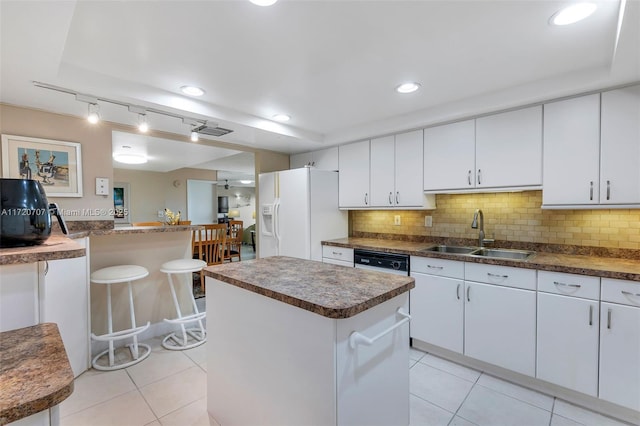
column 294, row 341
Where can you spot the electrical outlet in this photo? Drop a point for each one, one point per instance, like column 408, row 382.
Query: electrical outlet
column 396, row 219
column 160, row 213
column 428, row 221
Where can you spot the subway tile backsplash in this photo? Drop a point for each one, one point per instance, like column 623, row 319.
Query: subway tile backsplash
column 508, row 216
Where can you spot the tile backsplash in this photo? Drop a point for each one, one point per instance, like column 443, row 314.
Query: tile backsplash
column 510, row 216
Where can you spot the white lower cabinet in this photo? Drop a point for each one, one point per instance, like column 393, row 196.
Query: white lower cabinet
column 500, row 326
column 567, row 350
column 437, row 311
column 620, row 343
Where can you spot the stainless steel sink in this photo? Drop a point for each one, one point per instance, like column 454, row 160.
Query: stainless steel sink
column 451, row 249
column 503, row 253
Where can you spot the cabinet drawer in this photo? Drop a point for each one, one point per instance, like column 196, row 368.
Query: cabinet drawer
column 500, row 275
column 569, row 284
column 621, row 291
column 440, row 267
column 337, row 262
column 338, row 253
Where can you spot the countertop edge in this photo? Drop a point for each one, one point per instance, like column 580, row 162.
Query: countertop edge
column 535, row 262
column 52, row 397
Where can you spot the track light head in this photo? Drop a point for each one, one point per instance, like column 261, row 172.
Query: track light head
column 93, row 114
column 143, row 126
column 194, row 136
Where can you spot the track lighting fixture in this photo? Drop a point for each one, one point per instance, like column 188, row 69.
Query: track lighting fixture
column 143, row 126
column 194, row 136
column 93, row 115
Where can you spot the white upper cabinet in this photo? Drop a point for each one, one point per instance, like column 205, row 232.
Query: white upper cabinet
column 572, row 151
column 620, row 150
column 324, row 159
column 383, row 172
column 353, row 187
column 509, row 149
column 449, row 156
column 498, row 151
column 408, row 171
column 592, row 150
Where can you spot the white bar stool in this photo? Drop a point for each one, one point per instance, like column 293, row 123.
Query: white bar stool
column 115, row 275
column 198, row 334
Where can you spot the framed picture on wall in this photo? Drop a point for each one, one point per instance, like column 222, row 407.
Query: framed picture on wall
column 57, row 165
column 121, row 205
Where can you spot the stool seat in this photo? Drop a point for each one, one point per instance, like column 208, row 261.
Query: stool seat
column 115, row 275
column 179, row 266
column 119, row 274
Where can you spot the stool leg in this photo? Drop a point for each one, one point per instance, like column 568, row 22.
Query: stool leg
column 177, row 305
column 134, row 347
column 110, row 325
column 196, row 311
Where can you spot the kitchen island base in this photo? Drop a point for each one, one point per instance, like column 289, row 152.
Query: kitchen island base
column 269, row 362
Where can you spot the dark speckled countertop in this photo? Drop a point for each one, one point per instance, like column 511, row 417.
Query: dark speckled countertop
column 34, row 371
column 605, row 267
column 328, row 290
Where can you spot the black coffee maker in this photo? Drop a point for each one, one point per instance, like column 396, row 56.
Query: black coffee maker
column 25, row 213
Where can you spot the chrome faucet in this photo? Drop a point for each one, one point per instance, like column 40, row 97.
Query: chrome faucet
column 481, row 239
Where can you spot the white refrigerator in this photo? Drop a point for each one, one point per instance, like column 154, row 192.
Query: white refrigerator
column 299, row 209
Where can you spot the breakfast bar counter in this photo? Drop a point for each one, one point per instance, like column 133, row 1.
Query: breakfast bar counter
column 295, row 341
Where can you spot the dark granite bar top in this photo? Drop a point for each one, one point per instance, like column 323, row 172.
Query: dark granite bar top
column 605, row 267
column 331, row 291
column 55, row 247
column 34, row 371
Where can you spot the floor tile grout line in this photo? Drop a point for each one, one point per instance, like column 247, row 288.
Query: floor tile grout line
column 518, row 399
column 465, row 399
column 430, row 402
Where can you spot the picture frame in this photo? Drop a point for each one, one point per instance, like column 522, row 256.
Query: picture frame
column 57, row 165
column 121, row 204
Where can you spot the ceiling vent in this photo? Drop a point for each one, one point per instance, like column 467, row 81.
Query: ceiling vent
column 205, row 129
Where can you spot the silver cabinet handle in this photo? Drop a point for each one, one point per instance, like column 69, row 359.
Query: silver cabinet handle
column 468, row 298
column 609, row 319
column 357, row 338
column 590, row 314
column 435, row 267
column 398, row 197
column 591, row 191
column 559, row 284
column 46, row 267
column 458, row 292
column 497, row 276
column 479, row 176
column 390, row 201
column 628, row 293
column 469, row 177
column 608, row 190
column 366, row 198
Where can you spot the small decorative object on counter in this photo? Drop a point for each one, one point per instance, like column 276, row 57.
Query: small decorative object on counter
column 171, row 218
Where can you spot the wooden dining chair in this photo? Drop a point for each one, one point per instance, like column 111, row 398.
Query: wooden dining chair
column 234, row 241
column 211, row 243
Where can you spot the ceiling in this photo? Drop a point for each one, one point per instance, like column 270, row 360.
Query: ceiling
column 331, row 65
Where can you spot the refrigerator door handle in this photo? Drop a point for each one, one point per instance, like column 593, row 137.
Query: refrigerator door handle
column 276, row 224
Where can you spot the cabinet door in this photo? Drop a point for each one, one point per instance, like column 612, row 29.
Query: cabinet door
column 299, row 160
column 620, row 354
column 500, row 326
column 65, row 295
column 437, row 311
column 509, row 149
column 567, row 344
column 382, row 172
column 325, row 159
column 449, row 156
column 620, row 161
column 18, row 296
column 353, row 188
column 408, row 169
column 572, row 151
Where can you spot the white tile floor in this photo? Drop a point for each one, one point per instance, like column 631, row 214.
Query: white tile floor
column 169, row 388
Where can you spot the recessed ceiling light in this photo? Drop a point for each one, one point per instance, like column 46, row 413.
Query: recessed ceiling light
column 130, row 158
column 408, row 87
column 192, row 90
column 282, row 117
column 245, row 182
column 574, row 13
column 263, row 2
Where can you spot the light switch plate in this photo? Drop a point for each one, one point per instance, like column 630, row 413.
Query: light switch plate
column 102, row 186
column 396, row 220
column 428, row 221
